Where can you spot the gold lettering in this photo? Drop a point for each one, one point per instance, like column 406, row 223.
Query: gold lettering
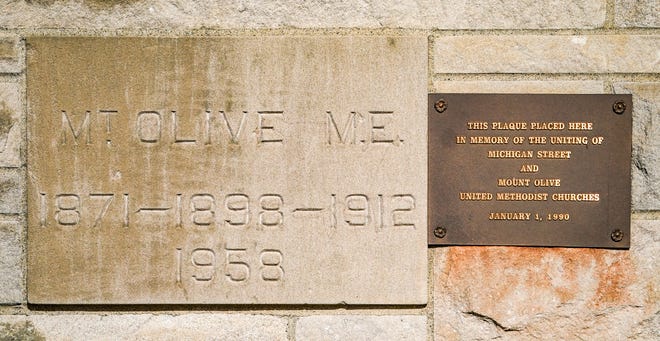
column 509, row 125
column 529, row 168
column 512, row 182
column 510, row 154
column 553, row 154
column 477, row 125
column 489, row 139
column 475, row 196
column 547, row 182
column 547, row 126
column 580, row 126
column 576, row 197
column 524, row 196
column 509, row 216
column 537, row 139
column 569, row 140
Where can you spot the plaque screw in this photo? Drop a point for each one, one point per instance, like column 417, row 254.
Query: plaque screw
column 617, row 235
column 619, row 107
column 440, row 106
column 440, row 232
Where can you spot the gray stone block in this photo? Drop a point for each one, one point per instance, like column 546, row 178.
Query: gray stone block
column 546, row 54
column 358, row 327
column 12, row 125
column 11, row 263
column 12, row 190
column 145, row 327
column 12, row 53
column 535, row 86
column 189, row 14
column 646, row 143
column 637, row 13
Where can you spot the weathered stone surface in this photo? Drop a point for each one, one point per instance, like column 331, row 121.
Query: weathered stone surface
column 227, row 170
column 637, row 13
column 356, row 327
column 12, row 125
column 548, row 87
column 494, row 14
column 12, row 190
column 11, row 263
column 23, row 330
column 646, row 143
column 546, row 54
column 525, row 293
column 145, row 327
column 189, row 14
column 11, row 52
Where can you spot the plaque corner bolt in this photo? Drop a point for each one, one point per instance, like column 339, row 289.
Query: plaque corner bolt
column 619, row 107
column 617, row 235
column 440, row 232
column 440, row 105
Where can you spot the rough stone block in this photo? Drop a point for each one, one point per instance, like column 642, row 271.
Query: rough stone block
column 495, row 14
column 270, row 170
column 546, row 54
column 537, row 293
column 637, row 13
column 143, row 327
column 190, row 14
column 12, row 190
column 535, row 86
column 12, row 53
column 356, row 327
column 12, row 125
column 646, row 143
column 11, row 263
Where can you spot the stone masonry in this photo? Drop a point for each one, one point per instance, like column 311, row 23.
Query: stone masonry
column 474, row 293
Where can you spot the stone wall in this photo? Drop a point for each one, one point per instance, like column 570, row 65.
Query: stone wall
column 556, row 46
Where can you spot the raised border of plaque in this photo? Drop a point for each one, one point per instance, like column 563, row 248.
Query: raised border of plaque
column 529, row 169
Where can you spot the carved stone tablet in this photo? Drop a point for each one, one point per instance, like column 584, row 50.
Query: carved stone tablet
column 540, row 170
column 238, row 170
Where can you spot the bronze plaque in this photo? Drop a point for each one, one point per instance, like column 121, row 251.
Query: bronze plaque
column 535, row 170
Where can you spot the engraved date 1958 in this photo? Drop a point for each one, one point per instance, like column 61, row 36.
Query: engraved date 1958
column 231, row 264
